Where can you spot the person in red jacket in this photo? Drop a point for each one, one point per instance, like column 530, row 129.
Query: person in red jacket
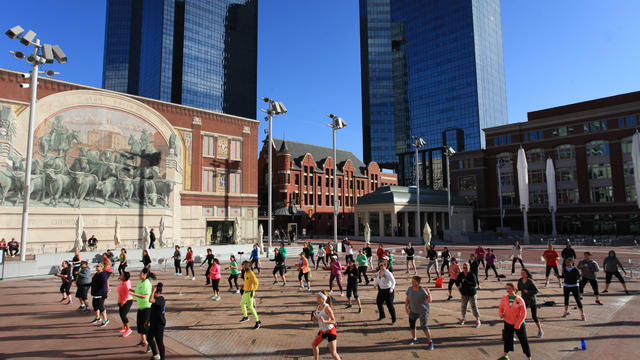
column 214, row 275
column 551, row 258
column 513, row 311
column 380, row 252
column 189, row 260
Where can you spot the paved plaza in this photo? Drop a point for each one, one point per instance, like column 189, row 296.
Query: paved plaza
column 34, row 325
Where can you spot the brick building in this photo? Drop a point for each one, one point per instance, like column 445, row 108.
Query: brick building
column 590, row 145
column 303, row 175
column 202, row 184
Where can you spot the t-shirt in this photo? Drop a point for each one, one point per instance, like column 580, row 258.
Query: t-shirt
column 390, row 260
column 143, row 287
column 361, row 259
column 409, row 251
column 283, row 251
column 234, row 271
column 511, row 299
column 418, row 300
column 156, row 319
column 551, row 257
column 123, row 291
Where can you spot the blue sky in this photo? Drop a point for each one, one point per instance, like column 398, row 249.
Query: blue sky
column 556, row 52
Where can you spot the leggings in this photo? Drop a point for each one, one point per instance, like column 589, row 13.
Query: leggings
column 176, row 264
column 575, row 290
column 451, row 283
column 247, row 301
column 338, row 278
column 444, row 263
column 362, row 271
column 320, row 258
column 190, row 266
column 610, row 274
column 206, row 275
column 154, row 337
column 481, row 261
column 386, row 296
column 233, row 277
column 594, row 285
column 122, row 268
column 548, row 269
column 255, row 264
column 311, row 257
column 534, row 310
column 305, row 275
column 65, row 288
column 214, row 284
column 513, row 264
column 123, row 310
column 486, row 271
column 507, row 337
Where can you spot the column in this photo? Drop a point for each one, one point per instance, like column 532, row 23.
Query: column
column 381, row 223
column 433, row 224
column 394, row 222
column 406, row 224
column 355, row 223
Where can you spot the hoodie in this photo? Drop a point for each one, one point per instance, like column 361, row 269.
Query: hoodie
column 513, row 314
column 611, row 263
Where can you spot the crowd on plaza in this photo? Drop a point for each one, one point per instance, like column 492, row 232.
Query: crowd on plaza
column 572, row 277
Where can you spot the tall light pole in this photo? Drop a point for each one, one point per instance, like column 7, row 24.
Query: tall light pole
column 448, row 152
column 500, row 163
column 41, row 54
column 275, row 108
column 336, row 124
column 418, row 143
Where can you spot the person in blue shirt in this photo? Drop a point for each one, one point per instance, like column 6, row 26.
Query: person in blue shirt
column 255, row 258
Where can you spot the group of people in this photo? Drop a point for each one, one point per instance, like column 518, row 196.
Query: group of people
column 12, row 248
column 512, row 306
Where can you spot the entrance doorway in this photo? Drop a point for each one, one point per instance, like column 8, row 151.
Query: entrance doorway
column 219, row 232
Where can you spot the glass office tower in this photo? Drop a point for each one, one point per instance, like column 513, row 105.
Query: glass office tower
column 429, row 67
column 200, row 53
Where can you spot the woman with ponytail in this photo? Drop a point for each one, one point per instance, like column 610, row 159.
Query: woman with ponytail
column 327, row 324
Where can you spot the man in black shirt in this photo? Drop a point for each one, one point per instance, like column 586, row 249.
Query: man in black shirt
column 568, row 252
column 157, row 322
column 209, row 261
column 467, row 285
column 368, row 253
column 410, row 251
column 152, row 240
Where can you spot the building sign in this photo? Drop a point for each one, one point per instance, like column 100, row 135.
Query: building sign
column 207, row 211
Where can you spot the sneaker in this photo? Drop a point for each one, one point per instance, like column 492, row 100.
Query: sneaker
column 413, row 341
column 193, row 278
column 95, row 321
column 122, row 329
column 348, row 306
column 87, row 309
column 148, row 349
column 504, row 357
column 257, row 325
column 238, row 291
column 565, row 314
column 284, row 284
column 540, row 334
column 462, row 321
column 80, row 308
column 70, row 302
column 155, row 357
column 105, row 323
column 244, row 319
column 218, row 298
column 141, row 344
column 393, row 322
column 127, row 333
column 300, row 287
column 330, row 291
column 449, row 298
column 599, row 302
column 478, row 323
column 605, row 291
column 359, row 310
column 63, row 299
column 213, row 297
column 583, row 317
column 626, row 292
column 430, row 347
column 275, row 282
column 309, row 288
column 341, row 294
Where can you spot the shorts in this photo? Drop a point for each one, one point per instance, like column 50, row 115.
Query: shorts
column 423, row 320
column 609, row 275
column 330, row 335
column 142, row 318
column 409, row 258
column 278, row 269
column 82, row 291
column 549, row 268
column 98, row 303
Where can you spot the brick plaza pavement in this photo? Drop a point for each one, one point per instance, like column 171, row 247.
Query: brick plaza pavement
column 33, row 325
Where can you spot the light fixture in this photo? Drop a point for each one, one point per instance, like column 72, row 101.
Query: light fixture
column 27, row 39
column 14, row 32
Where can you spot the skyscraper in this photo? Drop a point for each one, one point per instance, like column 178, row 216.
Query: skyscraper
column 428, row 67
column 200, row 53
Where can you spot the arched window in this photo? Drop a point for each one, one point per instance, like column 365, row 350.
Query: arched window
column 565, row 152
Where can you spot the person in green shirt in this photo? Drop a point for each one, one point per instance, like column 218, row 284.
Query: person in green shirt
column 388, row 254
column 312, row 253
column 283, row 251
column 142, row 293
column 361, row 260
column 233, row 266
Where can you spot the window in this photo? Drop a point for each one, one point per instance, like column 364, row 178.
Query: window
column 628, row 121
column 289, row 178
column 311, row 180
column 533, row 135
column 467, row 183
column 319, row 199
column 601, row 194
column 627, row 168
column 306, row 181
column 310, row 199
column 506, row 179
column 357, row 184
column 537, row 176
column 319, row 181
column 208, row 180
column 236, row 150
column 306, row 199
column 326, row 200
column 565, row 174
column 296, row 179
column 503, row 140
column 235, row 183
column 223, row 147
column 599, row 171
column 538, row 197
column 568, row 196
column 504, row 159
column 565, row 152
column 208, row 145
column 283, row 197
column 221, row 183
column 339, row 183
column 597, row 148
column 508, row 198
column 625, row 144
column 534, row 155
column 595, row 126
column 327, row 181
column 630, row 193
column 562, row 131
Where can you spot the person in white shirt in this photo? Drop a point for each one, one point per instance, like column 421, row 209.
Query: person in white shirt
column 516, row 255
column 349, row 249
column 385, row 283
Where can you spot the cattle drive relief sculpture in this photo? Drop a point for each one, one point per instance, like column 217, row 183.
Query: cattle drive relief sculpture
column 94, row 157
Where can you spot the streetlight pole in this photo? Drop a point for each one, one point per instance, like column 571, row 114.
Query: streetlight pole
column 336, row 124
column 275, row 108
column 448, row 152
column 41, row 54
column 418, row 143
column 500, row 163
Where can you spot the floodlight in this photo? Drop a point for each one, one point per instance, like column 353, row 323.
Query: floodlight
column 24, row 86
column 280, row 108
column 28, row 38
column 338, row 122
column 418, row 142
column 25, row 75
column 265, row 99
column 14, row 32
column 58, row 54
column 18, row 54
column 47, row 52
column 32, row 58
column 51, row 73
column 448, row 150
